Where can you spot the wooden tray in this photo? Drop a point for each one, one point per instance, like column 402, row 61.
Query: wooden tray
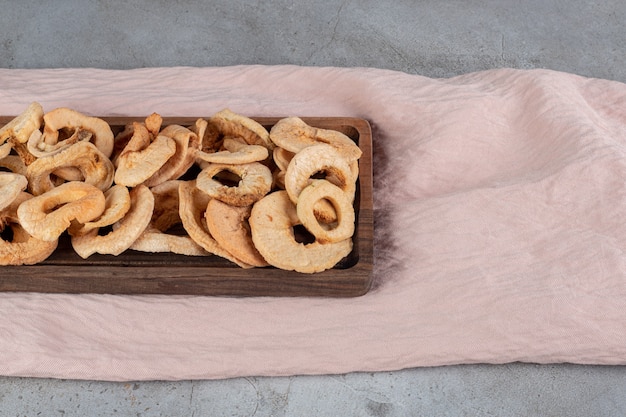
column 165, row 273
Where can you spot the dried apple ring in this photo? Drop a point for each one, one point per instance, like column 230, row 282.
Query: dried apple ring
column 39, row 148
column 256, row 181
column 151, row 125
column 5, row 150
column 48, row 215
column 324, row 211
column 211, row 138
column 271, row 223
column 156, row 241
column 282, row 157
column 322, row 190
column 279, row 179
column 317, row 159
column 293, row 134
column 235, row 153
column 66, row 122
column 233, row 124
column 192, row 207
column 200, row 128
column 166, row 216
column 11, row 185
column 22, row 249
column 229, row 227
column 117, row 202
column 95, row 167
column 125, row 231
column 21, row 127
column 142, row 157
column 14, row 164
column 186, row 144
column 68, row 174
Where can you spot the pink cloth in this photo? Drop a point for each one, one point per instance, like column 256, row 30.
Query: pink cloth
column 500, row 201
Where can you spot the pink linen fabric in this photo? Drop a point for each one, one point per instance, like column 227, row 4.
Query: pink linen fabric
column 500, row 208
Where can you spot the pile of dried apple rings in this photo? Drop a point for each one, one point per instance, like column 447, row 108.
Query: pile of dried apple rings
column 237, row 189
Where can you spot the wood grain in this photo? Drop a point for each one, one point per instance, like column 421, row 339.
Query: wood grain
column 166, row 273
